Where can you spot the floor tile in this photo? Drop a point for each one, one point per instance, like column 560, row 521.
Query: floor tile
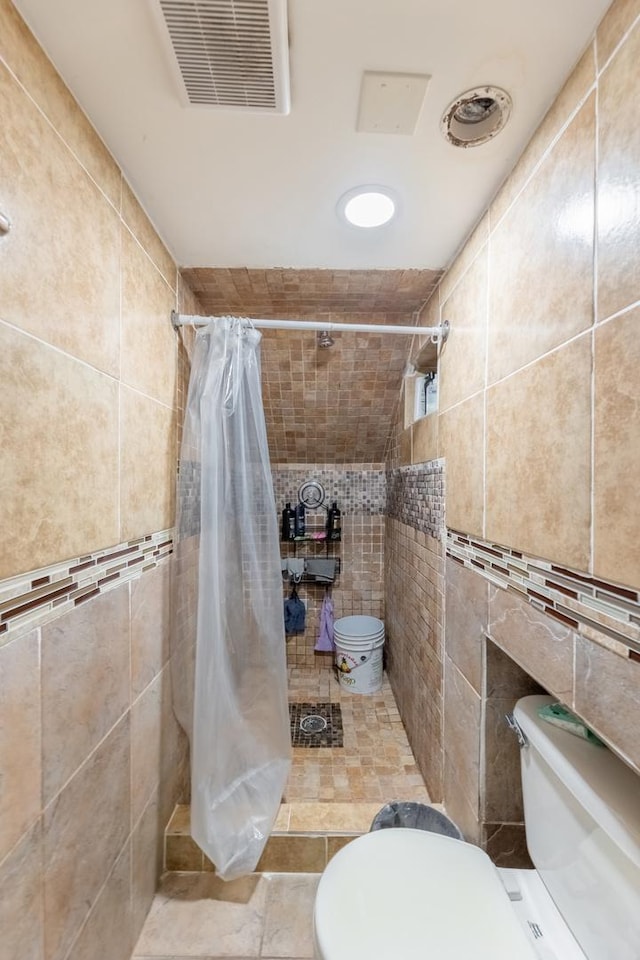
column 199, row 915
column 288, row 924
column 375, row 742
column 346, row 817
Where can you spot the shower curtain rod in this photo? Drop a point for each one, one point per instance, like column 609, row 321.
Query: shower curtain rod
column 441, row 332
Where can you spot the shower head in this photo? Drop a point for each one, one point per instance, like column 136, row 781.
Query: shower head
column 325, row 339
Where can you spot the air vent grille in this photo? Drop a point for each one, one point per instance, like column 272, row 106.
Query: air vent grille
column 231, row 53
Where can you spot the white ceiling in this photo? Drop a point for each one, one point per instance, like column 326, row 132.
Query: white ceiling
column 240, row 189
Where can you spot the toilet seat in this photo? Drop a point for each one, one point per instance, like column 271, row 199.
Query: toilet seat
column 411, row 895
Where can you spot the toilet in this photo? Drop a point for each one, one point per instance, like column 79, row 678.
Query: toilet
column 403, row 894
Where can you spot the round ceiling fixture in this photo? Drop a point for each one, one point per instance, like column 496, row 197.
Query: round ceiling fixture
column 476, row 116
column 367, row 206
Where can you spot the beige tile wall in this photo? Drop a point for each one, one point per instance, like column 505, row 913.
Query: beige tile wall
column 414, row 587
column 539, row 422
column 539, row 415
column 92, row 383
column 499, row 648
column 88, row 360
column 93, row 762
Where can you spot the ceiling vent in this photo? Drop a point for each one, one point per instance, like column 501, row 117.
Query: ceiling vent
column 229, row 54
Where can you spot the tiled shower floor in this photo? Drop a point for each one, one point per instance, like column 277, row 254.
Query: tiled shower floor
column 331, row 796
column 375, row 765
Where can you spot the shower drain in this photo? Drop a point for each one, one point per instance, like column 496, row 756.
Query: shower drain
column 316, row 724
column 313, row 724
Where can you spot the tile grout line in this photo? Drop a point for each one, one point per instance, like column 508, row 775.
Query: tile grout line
column 485, row 420
column 62, row 140
column 616, row 50
column 587, row 332
column 119, row 453
column 533, row 172
column 86, row 760
column 547, row 151
column 85, row 363
column 85, row 169
column 149, row 257
column 592, row 405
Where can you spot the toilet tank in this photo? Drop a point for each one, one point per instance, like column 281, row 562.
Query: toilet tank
column 582, row 819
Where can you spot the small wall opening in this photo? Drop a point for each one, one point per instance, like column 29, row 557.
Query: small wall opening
column 501, row 810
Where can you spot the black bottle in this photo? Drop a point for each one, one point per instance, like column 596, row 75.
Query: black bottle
column 288, row 523
column 300, row 520
column 334, row 522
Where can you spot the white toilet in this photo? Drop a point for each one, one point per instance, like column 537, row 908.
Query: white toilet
column 401, row 894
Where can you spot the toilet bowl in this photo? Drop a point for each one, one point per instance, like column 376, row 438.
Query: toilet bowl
column 404, row 894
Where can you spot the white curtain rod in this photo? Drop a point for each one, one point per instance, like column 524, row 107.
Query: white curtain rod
column 441, row 332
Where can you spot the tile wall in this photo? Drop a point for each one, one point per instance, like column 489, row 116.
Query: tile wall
column 415, row 496
column 360, row 491
column 601, row 611
column 323, row 405
column 91, row 384
column 539, row 414
column 538, row 425
column 414, row 585
column 499, row 648
column 92, row 763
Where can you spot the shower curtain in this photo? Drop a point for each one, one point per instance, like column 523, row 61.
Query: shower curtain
column 229, row 668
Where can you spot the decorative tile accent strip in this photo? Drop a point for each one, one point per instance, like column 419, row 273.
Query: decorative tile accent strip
column 604, row 612
column 31, row 599
column 358, row 488
column 415, row 496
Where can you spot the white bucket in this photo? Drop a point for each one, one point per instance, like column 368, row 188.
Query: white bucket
column 359, row 642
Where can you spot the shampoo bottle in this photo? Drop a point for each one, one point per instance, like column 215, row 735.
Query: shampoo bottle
column 300, row 524
column 288, row 523
column 334, row 522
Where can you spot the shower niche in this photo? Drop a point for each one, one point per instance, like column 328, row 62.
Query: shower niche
column 421, row 385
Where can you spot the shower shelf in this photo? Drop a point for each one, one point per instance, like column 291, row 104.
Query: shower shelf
column 310, row 538
column 310, row 578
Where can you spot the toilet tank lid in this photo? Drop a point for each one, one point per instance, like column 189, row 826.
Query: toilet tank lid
column 606, row 788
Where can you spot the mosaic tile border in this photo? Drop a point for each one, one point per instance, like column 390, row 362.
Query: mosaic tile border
column 604, row 612
column 358, row 488
column 415, row 496
column 34, row 598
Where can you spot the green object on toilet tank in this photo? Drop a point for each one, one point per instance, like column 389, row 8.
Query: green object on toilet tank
column 559, row 716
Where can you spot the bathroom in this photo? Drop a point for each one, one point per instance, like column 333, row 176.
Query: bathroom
column 524, row 477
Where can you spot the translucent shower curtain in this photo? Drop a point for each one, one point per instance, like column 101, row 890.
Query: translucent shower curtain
column 228, row 573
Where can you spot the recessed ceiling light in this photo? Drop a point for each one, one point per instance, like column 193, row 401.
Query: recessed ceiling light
column 476, row 116
column 367, row 206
